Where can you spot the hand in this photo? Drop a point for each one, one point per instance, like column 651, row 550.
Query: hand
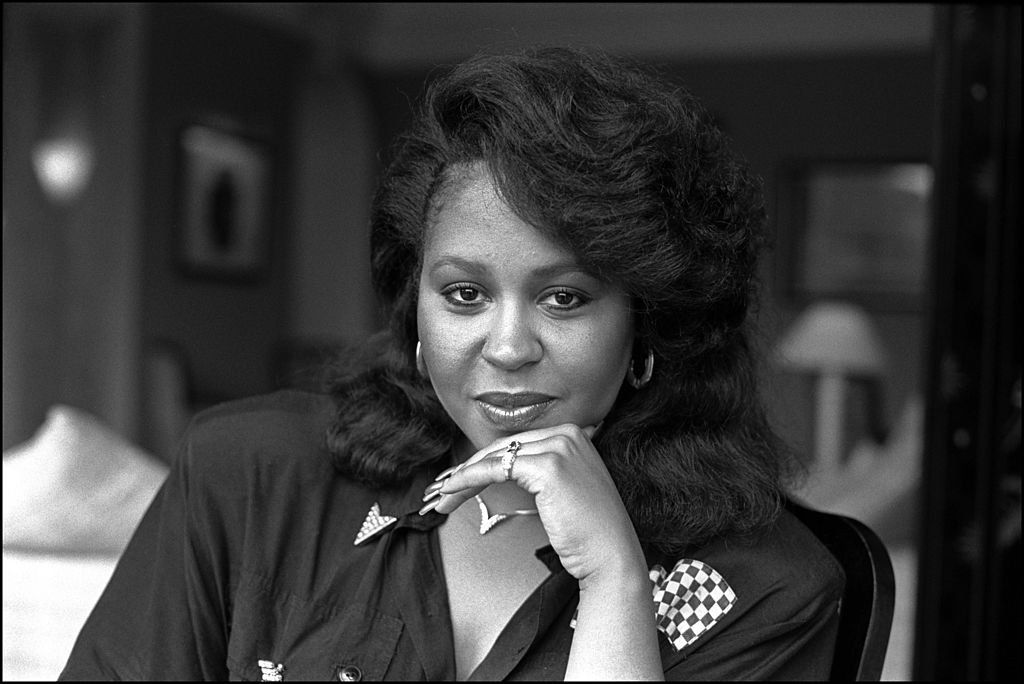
column 579, row 505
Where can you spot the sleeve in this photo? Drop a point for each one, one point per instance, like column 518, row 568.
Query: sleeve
column 164, row 615
column 797, row 647
column 767, row 610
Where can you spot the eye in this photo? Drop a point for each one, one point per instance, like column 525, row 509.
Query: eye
column 564, row 300
column 462, row 294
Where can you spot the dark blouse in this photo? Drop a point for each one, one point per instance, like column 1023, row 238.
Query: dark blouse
column 245, row 568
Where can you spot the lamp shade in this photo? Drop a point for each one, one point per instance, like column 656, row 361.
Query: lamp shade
column 832, row 337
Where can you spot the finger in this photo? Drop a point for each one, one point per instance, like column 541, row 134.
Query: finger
column 477, row 475
column 500, row 446
column 451, row 488
column 495, row 449
column 446, row 472
column 469, row 481
column 490, row 469
column 544, row 433
column 447, row 503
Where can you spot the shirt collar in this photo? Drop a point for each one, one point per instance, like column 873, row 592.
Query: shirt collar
column 405, row 502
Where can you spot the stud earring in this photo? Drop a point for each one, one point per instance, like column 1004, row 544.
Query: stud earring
column 639, row 383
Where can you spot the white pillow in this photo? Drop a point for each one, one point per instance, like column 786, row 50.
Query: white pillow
column 76, row 487
column 72, row 496
column 47, row 597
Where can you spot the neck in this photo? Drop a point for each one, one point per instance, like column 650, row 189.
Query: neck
column 507, row 496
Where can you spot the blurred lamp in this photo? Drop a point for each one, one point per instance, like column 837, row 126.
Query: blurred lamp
column 63, row 166
column 833, row 341
column 63, row 155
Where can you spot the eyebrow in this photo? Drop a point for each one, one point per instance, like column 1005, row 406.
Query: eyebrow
column 547, row 271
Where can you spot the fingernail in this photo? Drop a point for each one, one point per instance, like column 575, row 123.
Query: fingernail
column 430, row 506
column 445, row 473
column 430, row 495
column 433, row 486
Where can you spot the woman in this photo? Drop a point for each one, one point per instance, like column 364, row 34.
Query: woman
column 560, row 424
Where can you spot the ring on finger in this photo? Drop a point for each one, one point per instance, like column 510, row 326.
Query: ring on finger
column 508, row 459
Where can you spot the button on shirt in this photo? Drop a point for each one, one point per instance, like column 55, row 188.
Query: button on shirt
column 244, row 568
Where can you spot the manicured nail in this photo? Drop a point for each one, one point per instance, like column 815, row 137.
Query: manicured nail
column 430, row 506
column 445, row 473
column 430, row 495
column 433, row 486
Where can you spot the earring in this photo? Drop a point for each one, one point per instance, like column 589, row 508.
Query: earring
column 420, row 366
column 639, row 383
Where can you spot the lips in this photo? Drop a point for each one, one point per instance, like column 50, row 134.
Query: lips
column 513, row 411
column 513, row 399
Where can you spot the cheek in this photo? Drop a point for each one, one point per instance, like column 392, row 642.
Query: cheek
column 598, row 361
column 443, row 353
column 443, row 345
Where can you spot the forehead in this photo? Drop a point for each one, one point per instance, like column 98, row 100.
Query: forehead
column 471, row 220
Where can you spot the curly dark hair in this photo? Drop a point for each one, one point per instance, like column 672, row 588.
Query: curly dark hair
column 630, row 173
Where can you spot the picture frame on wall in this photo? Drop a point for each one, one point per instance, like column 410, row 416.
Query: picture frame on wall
column 856, row 230
column 224, row 224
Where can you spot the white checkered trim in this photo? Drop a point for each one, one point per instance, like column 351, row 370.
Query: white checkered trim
column 687, row 601
column 691, row 599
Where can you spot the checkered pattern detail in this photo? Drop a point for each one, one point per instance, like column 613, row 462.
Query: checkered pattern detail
column 688, row 601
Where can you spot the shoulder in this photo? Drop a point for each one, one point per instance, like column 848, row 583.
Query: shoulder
column 760, row 607
column 782, row 576
column 280, row 434
column 256, row 474
column 786, row 562
column 288, row 413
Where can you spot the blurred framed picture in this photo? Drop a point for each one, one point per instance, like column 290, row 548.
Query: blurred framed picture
column 857, row 230
column 223, row 203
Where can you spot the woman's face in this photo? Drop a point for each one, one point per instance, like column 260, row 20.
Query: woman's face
column 515, row 334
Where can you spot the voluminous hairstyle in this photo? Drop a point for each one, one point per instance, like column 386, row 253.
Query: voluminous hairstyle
column 630, row 173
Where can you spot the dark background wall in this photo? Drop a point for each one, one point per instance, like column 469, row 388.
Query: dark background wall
column 205, row 67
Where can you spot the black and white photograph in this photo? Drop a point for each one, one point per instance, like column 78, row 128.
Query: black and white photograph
column 533, row 341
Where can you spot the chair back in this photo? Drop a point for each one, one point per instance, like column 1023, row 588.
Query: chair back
column 865, row 614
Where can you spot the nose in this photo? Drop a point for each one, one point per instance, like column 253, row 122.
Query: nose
column 511, row 340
